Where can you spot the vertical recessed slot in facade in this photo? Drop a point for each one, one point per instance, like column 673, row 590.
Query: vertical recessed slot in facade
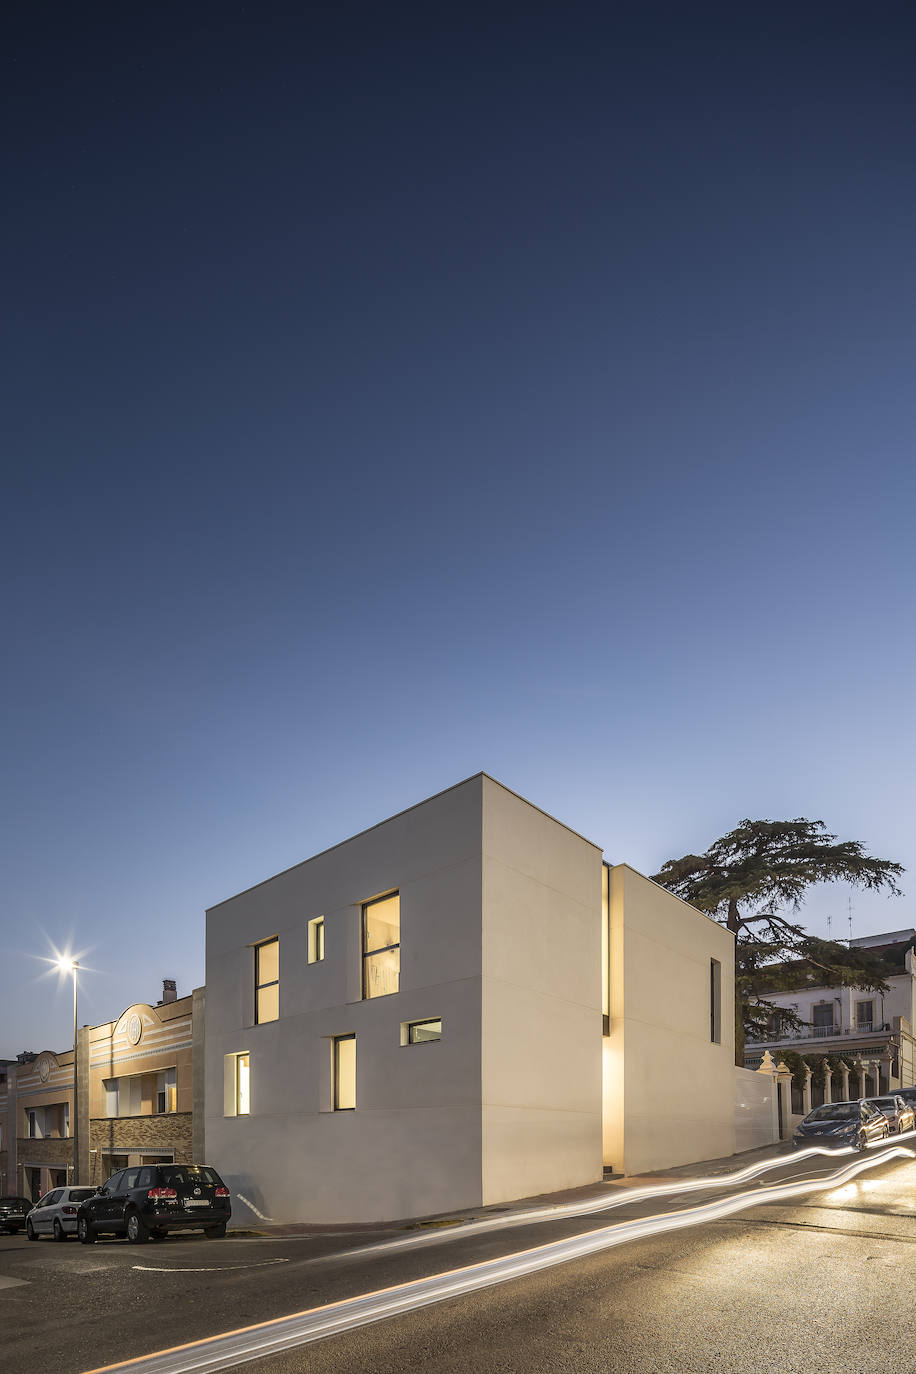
column 715, row 1001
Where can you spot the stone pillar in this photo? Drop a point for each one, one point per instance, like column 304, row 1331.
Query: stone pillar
column 886, row 1064
column 828, row 1082
column 875, row 1067
column 859, row 1077
column 844, row 1082
column 806, row 1092
column 784, row 1089
column 768, row 1068
column 198, row 1068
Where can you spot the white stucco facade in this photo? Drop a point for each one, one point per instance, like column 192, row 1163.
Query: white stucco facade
column 503, row 937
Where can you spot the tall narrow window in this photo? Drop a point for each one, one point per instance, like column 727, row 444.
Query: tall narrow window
column 236, row 1085
column 316, row 940
column 166, row 1091
column 242, row 1086
column 267, row 981
column 715, row 1001
column 344, row 1073
column 382, row 946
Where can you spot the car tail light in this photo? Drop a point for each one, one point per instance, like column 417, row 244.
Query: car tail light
column 168, row 1193
column 69, row 1211
column 221, row 1192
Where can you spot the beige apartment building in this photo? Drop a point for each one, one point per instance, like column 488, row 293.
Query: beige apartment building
column 136, row 1098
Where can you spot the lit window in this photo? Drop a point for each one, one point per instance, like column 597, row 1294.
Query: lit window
column 419, row 1032
column 316, row 940
column 236, row 1085
column 242, row 1090
column 344, row 1073
column 381, row 946
column 166, row 1091
column 267, row 981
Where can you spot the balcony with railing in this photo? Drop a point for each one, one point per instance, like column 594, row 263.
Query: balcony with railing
column 810, row 1032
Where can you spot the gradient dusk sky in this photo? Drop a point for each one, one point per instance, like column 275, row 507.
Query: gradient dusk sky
column 393, row 392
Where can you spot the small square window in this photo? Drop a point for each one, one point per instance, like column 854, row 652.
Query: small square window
column 316, row 940
column 421, row 1032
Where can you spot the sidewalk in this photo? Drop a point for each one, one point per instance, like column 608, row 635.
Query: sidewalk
column 719, row 1169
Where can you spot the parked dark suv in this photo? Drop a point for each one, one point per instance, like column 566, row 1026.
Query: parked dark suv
column 13, row 1212
column 149, row 1200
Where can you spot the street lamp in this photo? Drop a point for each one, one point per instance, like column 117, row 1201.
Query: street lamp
column 72, row 966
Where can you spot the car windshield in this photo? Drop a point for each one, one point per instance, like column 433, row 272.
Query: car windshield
column 81, row 1194
column 186, row 1175
column 883, row 1102
column 7, row 1201
column 836, row 1111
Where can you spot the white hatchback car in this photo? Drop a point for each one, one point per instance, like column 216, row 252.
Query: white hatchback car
column 55, row 1213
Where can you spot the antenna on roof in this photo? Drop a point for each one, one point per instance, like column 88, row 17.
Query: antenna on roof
column 829, row 918
column 849, row 910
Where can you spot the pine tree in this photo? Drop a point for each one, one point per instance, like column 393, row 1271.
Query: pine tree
column 747, row 880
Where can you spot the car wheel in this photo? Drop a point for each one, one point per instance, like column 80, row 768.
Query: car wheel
column 137, row 1232
column 30, row 1231
column 861, row 1140
column 215, row 1232
column 59, row 1233
column 85, row 1231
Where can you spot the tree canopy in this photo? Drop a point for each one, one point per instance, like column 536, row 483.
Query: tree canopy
column 748, row 880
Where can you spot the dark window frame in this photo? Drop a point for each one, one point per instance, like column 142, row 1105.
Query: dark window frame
column 271, row 983
column 382, row 949
column 427, row 1021
column 337, row 1040
column 715, row 1002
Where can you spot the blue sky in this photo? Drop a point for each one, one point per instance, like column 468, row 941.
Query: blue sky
column 394, row 395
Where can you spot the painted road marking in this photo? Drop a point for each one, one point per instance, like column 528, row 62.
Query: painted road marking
column 209, row 1269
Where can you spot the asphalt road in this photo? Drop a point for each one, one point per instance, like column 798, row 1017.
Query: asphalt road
column 825, row 1283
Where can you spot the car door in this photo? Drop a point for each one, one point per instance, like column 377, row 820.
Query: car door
column 101, row 1208
column 128, row 1180
column 42, row 1215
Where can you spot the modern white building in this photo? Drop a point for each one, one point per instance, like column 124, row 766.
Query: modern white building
column 463, row 1005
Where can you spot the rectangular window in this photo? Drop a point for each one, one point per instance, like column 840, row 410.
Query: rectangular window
column 110, row 1088
column 382, row 946
column 344, row 1073
column 822, row 1016
column 605, row 952
column 267, row 981
column 419, row 1032
column 715, row 1001
column 166, row 1091
column 864, row 1016
column 316, row 940
column 236, row 1085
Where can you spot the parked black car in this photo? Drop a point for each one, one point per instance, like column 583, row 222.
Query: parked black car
column 13, row 1212
column 151, row 1199
column 843, row 1123
column 908, row 1095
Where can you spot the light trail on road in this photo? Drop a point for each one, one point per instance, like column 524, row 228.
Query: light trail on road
column 285, row 1333
column 599, row 1204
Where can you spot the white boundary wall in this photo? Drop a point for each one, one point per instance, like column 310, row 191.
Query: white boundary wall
column 756, row 1110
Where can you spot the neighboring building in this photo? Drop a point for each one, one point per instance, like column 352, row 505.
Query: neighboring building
column 139, row 1106
column 874, row 1027
column 462, row 1005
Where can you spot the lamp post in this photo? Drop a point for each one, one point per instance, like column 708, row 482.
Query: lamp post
column 72, row 966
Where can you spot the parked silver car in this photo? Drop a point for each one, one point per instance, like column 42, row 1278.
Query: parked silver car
column 55, row 1213
column 900, row 1116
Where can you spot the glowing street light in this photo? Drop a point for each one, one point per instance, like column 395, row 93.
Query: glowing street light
column 67, row 965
